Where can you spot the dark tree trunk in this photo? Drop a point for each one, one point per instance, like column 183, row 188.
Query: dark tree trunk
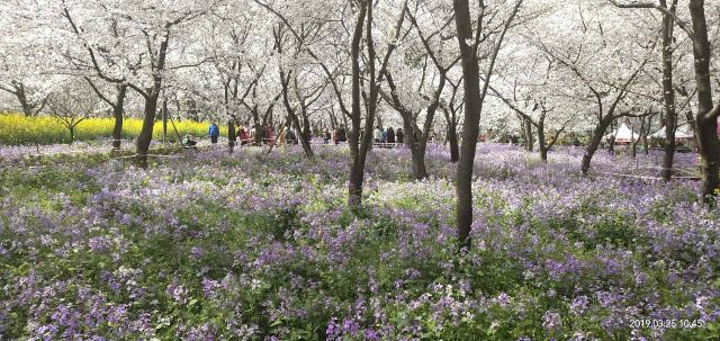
column 71, row 128
column 529, row 139
column 414, row 141
column 164, row 116
column 302, row 136
column 24, row 104
column 231, row 134
column 258, row 127
column 633, row 145
column 470, row 132
column 418, row 160
column 454, row 147
column 669, row 93
column 646, row 146
column 595, row 142
column 151, row 102
column 541, row 142
column 706, row 118
column 118, row 111
column 146, row 133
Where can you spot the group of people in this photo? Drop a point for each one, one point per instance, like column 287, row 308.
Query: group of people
column 336, row 135
column 248, row 135
column 382, row 135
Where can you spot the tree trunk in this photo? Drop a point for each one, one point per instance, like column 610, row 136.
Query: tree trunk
column 357, row 169
column 706, row 117
column 231, row 134
column 145, row 137
column 118, row 110
column 669, row 93
column 164, row 114
column 646, row 146
column 151, row 101
column 529, row 139
column 27, row 110
column 595, row 142
column 418, row 160
column 453, row 137
column 541, row 142
column 470, row 132
column 415, row 142
column 72, row 133
column 304, row 141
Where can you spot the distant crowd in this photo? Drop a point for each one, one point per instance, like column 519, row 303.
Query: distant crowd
column 246, row 134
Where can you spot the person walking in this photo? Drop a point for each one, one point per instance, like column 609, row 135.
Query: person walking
column 214, row 133
column 400, row 136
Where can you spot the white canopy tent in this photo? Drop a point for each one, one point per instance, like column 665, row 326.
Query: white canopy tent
column 681, row 134
column 623, row 135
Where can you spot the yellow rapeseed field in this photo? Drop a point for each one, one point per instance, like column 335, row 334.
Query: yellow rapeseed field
column 21, row 130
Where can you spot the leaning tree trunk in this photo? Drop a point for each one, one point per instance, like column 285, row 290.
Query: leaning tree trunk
column 304, row 141
column 706, row 118
column 595, row 142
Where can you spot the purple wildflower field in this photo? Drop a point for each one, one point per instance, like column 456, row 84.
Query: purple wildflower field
column 215, row 246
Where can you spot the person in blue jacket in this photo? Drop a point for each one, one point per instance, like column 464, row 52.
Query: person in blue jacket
column 214, row 132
